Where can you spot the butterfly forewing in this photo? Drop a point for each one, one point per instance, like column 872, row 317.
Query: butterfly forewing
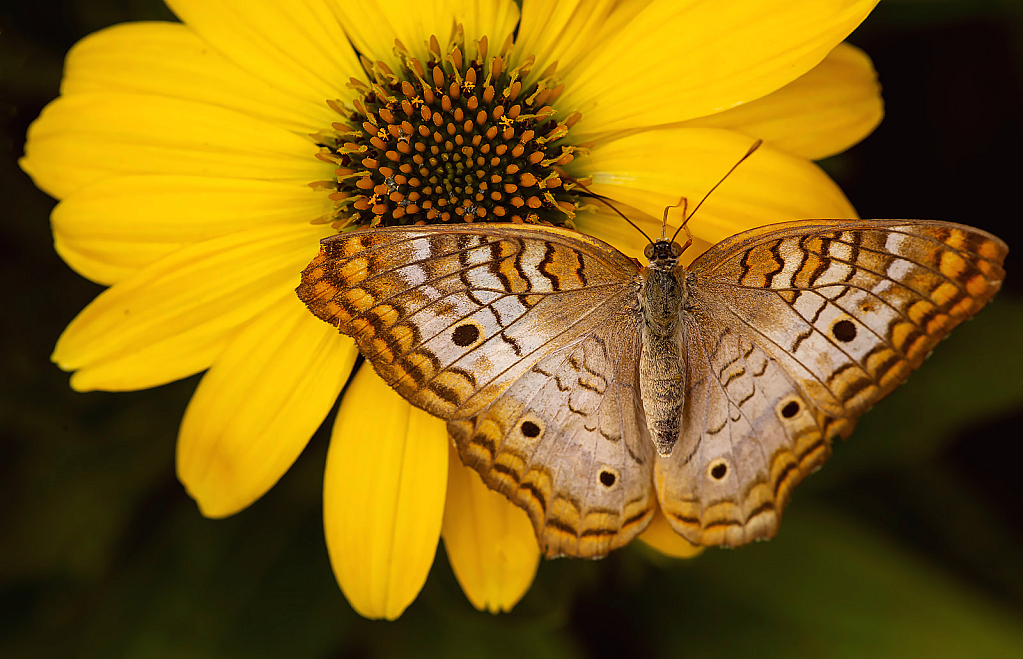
column 850, row 308
column 451, row 317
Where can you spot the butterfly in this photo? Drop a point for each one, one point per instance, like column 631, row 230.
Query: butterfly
column 591, row 390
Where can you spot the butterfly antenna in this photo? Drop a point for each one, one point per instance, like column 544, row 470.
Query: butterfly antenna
column 605, row 201
column 756, row 145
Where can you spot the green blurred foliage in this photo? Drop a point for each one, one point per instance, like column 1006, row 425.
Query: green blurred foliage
column 908, row 543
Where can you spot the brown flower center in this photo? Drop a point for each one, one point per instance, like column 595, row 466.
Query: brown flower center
column 450, row 139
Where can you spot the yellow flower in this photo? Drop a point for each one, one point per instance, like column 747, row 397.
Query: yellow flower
column 183, row 156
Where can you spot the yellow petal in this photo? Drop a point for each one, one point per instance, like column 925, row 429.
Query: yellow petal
column 383, row 496
column 677, row 60
column 169, row 59
column 113, row 228
column 83, row 138
column 489, row 541
column 652, row 170
column 174, row 317
column 259, row 404
column 373, row 25
column 822, row 113
column 566, row 32
column 663, row 538
column 559, row 32
column 297, row 48
column 495, row 20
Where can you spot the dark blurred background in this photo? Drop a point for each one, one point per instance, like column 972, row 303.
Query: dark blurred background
column 908, row 543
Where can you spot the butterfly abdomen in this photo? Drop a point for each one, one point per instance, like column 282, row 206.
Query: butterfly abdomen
column 662, row 378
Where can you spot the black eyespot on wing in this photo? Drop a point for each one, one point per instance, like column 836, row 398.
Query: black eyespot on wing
column 844, row 331
column 530, row 429
column 607, row 479
column 465, row 335
column 719, row 471
column 790, row 410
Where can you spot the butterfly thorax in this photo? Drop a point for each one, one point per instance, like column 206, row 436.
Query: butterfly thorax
column 661, row 365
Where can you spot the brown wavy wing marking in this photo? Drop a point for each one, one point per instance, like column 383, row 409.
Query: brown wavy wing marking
column 567, row 441
column 451, row 316
column 850, row 308
column 748, row 437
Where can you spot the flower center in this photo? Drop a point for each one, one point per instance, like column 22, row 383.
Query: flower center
column 451, row 139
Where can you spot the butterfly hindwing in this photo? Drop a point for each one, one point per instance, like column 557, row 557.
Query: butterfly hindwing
column 567, row 441
column 747, row 439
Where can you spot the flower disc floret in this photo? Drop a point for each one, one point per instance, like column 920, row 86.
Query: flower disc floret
column 450, row 140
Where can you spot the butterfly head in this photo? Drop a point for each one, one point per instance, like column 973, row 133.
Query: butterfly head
column 663, row 254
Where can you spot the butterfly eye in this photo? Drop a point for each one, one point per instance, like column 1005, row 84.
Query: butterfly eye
column 676, row 249
column 648, row 251
column 608, row 477
column 844, row 331
column 718, row 469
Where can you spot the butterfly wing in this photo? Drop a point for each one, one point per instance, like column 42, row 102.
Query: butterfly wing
column 746, row 439
column 450, row 317
column 795, row 330
column 568, row 442
column 524, row 338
